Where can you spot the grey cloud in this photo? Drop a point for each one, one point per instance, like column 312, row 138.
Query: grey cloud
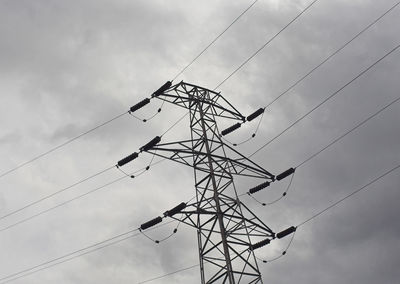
column 68, row 65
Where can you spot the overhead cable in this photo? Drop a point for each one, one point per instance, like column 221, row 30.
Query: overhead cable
column 337, row 139
column 74, row 254
column 293, row 229
column 124, row 113
column 348, row 132
column 327, row 99
column 312, row 71
column 60, row 146
column 168, row 274
column 54, row 193
column 215, row 39
column 364, row 187
column 266, row 43
column 131, row 175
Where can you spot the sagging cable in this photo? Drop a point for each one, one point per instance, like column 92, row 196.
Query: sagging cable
column 150, row 144
column 285, row 174
column 162, row 89
column 286, row 232
column 255, row 114
column 151, row 223
column 139, row 105
column 230, row 129
column 175, row 210
column 127, row 159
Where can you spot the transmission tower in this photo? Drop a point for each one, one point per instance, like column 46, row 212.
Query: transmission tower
column 228, row 232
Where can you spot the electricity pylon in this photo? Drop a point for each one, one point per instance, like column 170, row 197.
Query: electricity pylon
column 228, row 232
column 226, row 229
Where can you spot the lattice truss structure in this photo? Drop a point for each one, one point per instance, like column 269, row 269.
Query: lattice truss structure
column 227, row 230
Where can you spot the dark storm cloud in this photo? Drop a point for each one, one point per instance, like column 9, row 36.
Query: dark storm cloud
column 66, row 66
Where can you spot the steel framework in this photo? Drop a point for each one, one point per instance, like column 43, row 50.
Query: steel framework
column 227, row 230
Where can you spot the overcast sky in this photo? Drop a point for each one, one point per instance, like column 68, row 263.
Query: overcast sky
column 67, row 66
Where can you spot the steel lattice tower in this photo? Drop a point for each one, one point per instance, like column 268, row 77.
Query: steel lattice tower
column 227, row 230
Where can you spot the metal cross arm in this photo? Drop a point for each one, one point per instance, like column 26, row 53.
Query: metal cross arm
column 186, row 95
column 236, row 223
column 184, row 151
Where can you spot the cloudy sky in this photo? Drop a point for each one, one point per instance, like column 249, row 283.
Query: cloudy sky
column 67, row 66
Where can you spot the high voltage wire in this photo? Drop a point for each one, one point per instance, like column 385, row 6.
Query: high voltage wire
column 348, row 132
column 54, row 193
column 124, row 113
column 75, row 184
column 339, row 138
column 71, row 140
column 326, row 99
column 140, row 171
column 95, row 248
column 179, row 120
column 74, row 254
column 75, row 198
column 334, row 141
column 60, row 146
column 333, row 54
column 302, row 163
column 168, row 274
column 262, row 47
column 266, row 43
column 213, row 41
column 301, row 79
column 300, row 224
column 364, row 187
column 180, row 270
column 46, row 197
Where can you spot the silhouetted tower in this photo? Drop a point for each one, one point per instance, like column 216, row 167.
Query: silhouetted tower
column 227, row 231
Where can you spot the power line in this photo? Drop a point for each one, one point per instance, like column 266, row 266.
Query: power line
column 302, row 223
column 214, row 40
column 122, row 114
column 55, row 193
column 75, row 184
column 168, row 274
column 349, row 195
column 60, row 205
column 266, row 43
column 348, row 132
column 333, row 54
column 299, row 165
column 74, row 254
column 337, row 139
column 61, row 145
column 175, row 123
column 314, row 69
column 64, row 256
column 140, row 171
column 261, row 48
column 326, row 99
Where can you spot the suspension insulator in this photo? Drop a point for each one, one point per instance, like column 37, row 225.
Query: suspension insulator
column 285, row 174
column 230, row 129
column 139, row 105
column 260, row 244
column 151, row 223
column 255, row 114
column 127, row 159
column 259, row 187
column 175, row 210
column 162, row 89
column 286, row 232
column 150, row 144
